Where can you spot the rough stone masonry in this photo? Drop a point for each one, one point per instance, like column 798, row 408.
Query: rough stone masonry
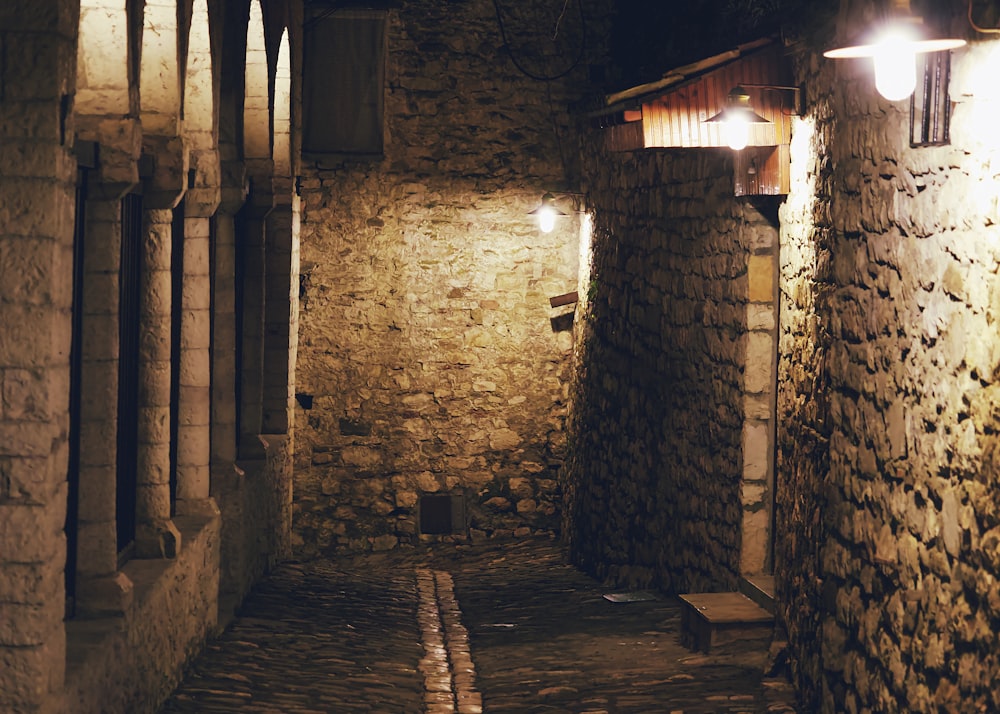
column 429, row 362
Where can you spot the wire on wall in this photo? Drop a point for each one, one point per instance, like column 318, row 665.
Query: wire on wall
column 534, row 75
column 977, row 28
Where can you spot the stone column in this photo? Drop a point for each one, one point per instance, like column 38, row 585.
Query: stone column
column 36, row 241
column 194, row 401
column 224, row 405
column 281, row 312
column 101, row 589
column 156, row 535
column 252, row 243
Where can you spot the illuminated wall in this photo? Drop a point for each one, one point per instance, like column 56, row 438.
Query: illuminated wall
column 888, row 528
column 430, row 362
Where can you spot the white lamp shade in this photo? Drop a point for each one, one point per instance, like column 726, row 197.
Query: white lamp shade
column 894, row 56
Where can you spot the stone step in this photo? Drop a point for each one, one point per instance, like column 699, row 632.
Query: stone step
column 710, row 621
column 760, row 589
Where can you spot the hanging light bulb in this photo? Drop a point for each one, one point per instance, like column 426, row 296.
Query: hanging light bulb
column 547, row 213
column 736, row 119
column 736, row 130
column 894, row 51
column 895, row 65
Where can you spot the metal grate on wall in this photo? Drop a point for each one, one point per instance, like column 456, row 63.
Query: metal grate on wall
column 442, row 514
column 930, row 104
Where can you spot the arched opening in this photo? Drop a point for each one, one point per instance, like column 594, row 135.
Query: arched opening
column 250, row 270
column 256, row 124
column 281, row 262
column 159, row 79
column 282, row 110
column 191, row 373
column 102, row 59
column 107, row 147
column 160, row 96
column 199, row 98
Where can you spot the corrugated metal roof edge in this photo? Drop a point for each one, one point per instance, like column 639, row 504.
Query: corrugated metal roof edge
column 628, row 98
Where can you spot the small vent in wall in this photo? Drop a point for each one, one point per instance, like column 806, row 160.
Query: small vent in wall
column 442, row 514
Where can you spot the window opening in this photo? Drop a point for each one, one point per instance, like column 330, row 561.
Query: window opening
column 176, row 313
column 128, row 373
column 75, row 374
column 343, row 100
column 240, row 221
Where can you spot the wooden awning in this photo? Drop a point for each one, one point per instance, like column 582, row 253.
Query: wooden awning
column 672, row 112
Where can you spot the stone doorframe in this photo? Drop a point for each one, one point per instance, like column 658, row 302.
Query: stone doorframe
column 759, row 392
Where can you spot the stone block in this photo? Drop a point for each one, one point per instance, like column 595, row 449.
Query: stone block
column 756, row 451
column 760, row 354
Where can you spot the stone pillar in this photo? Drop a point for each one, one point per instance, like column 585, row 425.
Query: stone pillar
column 100, row 588
column 194, row 402
column 156, row 536
column 281, row 313
column 38, row 44
column 223, row 437
column 252, row 243
column 106, row 112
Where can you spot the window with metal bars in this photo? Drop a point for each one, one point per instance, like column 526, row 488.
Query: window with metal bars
column 930, row 105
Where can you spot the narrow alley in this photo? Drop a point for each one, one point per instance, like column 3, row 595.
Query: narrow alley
column 364, row 634
column 499, row 356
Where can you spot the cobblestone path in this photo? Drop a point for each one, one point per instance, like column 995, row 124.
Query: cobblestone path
column 500, row 628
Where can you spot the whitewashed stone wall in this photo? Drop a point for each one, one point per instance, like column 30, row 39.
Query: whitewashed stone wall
column 428, row 362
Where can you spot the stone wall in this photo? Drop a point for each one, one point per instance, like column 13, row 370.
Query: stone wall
column 36, row 267
column 654, row 478
column 174, row 610
column 428, row 359
column 252, row 494
column 888, row 398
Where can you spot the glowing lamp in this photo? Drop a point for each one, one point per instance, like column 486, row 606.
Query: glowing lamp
column 893, row 51
column 547, row 213
column 736, row 119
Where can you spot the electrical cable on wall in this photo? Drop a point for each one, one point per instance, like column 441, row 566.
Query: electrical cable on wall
column 534, row 75
column 977, row 28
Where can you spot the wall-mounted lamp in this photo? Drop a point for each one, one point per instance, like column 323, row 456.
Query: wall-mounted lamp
column 736, row 118
column 738, row 115
column 893, row 49
column 547, row 213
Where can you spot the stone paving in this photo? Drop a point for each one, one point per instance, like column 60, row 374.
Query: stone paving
column 501, row 627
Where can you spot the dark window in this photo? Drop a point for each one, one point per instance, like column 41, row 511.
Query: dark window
column 344, row 83
column 240, row 275
column 75, row 375
column 176, row 313
column 128, row 371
